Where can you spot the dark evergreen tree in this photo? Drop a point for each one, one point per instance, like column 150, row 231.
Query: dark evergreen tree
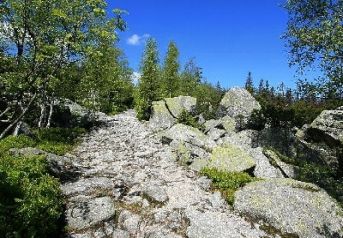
column 249, row 84
column 149, row 87
column 170, row 72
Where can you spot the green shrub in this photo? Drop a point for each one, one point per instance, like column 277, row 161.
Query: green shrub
column 186, row 118
column 227, row 182
column 30, row 199
column 65, row 135
column 15, row 142
column 257, row 120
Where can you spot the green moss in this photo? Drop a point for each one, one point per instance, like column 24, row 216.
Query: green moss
column 227, row 182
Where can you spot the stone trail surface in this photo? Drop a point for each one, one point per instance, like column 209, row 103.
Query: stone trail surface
column 130, row 186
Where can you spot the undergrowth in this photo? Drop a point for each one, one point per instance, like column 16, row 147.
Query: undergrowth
column 31, row 203
column 187, row 119
column 227, row 182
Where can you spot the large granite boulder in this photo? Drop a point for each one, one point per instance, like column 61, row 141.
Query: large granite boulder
column 166, row 112
column 187, row 134
column 246, row 141
column 327, row 127
column 225, row 123
column 231, row 159
column 323, row 138
column 238, row 103
column 161, row 117
column 182, row 103
column 291, row 207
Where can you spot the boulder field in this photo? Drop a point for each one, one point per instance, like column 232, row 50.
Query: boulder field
column 140, row 179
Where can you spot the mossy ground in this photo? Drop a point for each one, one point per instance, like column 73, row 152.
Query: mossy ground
column 227, row 182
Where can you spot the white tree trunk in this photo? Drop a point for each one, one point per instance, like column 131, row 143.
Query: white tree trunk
column 42, row 116
column 51, row 110
column 9, row 127
column 17, row 128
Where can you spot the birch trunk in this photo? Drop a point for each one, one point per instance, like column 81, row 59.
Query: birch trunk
column 14, row 123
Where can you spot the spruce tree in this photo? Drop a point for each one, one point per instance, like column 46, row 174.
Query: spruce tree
column 249, row 85
column 149, row 87
column 171, row 81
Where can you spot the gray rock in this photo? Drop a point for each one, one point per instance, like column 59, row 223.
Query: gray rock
column 214, row 224
column 75, row 108
column 215, row 134
column 117, row 233
column 88, row 212
column 188, row 154
column 161, row 117
column 246, row 140
column 193, row 136
column 156, row 193
column 210, row 124
column 88, row 186
column 289, row 171
column 225, row 123
column 238, row 102
column 129, row 221
column 292, row 207
column 323, row 139
column 182, row 103
column 264, row 169
column 327, row 127
column 231, row 158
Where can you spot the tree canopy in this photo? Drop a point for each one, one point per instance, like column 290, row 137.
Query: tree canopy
column 315, row 38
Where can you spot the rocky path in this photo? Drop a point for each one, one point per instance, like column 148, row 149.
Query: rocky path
column 130, row 186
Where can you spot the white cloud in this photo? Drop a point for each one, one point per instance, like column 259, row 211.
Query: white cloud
column 135, row 77
column 137, row 39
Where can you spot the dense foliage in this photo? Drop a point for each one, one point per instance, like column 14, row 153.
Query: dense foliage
column 285, row 107
column 31, row 203
column 150, row 86
column 74, row 56
column 158, row 82
column 315, row 40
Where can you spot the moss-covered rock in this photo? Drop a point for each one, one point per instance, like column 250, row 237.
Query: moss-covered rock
column 292, row 207
column 161, row 117
column 179, row 104
column 230, row 158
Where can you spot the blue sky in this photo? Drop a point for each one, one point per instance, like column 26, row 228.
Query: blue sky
column 227, row 38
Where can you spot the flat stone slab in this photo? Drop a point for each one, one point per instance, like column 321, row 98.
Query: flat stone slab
column 89, row 212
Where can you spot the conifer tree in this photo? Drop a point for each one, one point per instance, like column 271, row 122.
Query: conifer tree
column 249, row 85
column 149, row 87
column 171, row 80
